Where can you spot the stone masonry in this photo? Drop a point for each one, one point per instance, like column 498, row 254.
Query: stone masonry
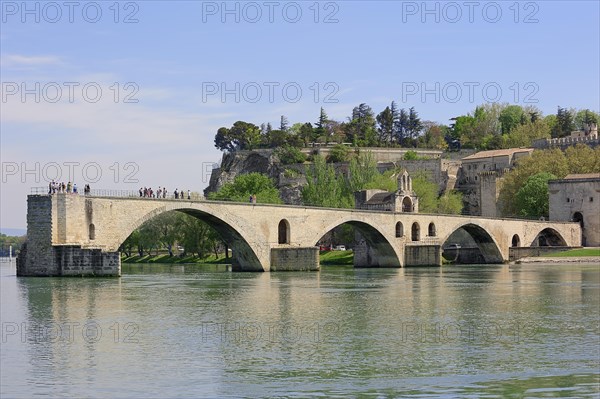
column 76, row 235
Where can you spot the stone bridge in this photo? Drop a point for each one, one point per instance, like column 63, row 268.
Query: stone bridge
column 71, row 234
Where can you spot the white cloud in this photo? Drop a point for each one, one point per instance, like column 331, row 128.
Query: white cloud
column 18, row 60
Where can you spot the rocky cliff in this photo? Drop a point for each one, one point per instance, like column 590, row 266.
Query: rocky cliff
column 289, row 179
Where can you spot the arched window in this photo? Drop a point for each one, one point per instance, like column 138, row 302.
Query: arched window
column 284, row 232
column 407, row 205
column 416, row 232
column 516, row 241
column 92, row 231
column 399, row 229
column 431, row 230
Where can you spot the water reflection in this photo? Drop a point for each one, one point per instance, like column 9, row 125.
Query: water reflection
column 189, row 330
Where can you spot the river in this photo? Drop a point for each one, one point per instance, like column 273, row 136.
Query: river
column 165, row 331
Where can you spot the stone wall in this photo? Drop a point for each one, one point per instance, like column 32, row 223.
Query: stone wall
column 38, row 258
column 295, row 259
column 570, row 198
column 423, row 255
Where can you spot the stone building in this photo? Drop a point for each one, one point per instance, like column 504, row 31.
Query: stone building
column 577, row 198
column 403, row 200
column 480, row 175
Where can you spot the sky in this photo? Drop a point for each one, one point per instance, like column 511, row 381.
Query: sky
column 126, row 94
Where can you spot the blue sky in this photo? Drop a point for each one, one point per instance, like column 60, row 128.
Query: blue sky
column 170, row 62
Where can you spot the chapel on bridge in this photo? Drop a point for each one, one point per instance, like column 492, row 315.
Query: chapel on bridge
column 402, row 200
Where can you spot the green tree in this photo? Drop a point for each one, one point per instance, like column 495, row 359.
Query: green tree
column 524, row 134
column 284, row 124
column 276, row 138
column 324, row 187
column 339, row 153
column 306, row 132
column 585, row 117
column 511, row 117
column 414, row 126
column 532, row 198
column 450, row 203
column 320, row 127
column 583, row 159
column 290, row 155
column 551, row 161
column 385, row 129
column 243, row 186
column 362, row 171
column 401, row 127
column 241, row 136
column 427, row 191
column 565, row 123
column 361, row 128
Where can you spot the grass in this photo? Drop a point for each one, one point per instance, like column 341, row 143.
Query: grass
column 575, row 253
column 337, row 257
column 327, row 258
column 165, row 258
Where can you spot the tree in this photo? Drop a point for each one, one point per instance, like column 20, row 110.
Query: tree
column 284, row 124
column 585, row 118
column 511, row 117
column 320, row 129
column 434, row 136
column 564, row 123
column 306, row 133
column 401, row 127
column 414, row 126
column 532, row 198
column 241, row 136
column 361, row 128
column 243, row 186
column 290, row 155
column 427, row 191
column 385, row 129
column 450, row 203
column 324, row 187
column 583, row 159
column 524, row 134
column 276, row 138
column 197, row 236
column 339, row 153
column 362, row 171
column 551, row 161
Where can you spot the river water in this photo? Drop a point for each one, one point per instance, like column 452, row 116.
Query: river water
column 165, row 331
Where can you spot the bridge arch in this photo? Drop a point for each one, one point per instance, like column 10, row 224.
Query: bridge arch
column 373, row 250
column 486, row 249
column 549, row 237
column 244, row 257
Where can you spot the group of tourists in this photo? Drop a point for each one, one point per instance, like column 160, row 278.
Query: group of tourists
column 147, row 192
column 68, row 188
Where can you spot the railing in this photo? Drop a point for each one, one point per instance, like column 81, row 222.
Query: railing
column 120, row 194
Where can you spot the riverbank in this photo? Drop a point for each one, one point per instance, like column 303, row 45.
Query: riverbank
column 579, row 255
column 174, row 259
column 558, row 259
column 327, row 258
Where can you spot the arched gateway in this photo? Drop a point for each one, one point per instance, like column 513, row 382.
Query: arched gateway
column 80, row 235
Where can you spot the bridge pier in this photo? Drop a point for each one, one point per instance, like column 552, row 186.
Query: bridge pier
column 295, row 259
column 423, row 255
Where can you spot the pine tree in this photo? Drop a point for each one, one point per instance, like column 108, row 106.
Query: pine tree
column 284, row 124
column 385, row 130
